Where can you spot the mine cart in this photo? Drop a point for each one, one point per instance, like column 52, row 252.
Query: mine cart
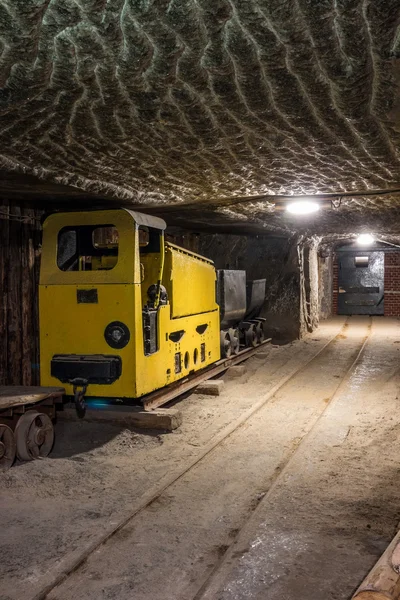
column 26, row 422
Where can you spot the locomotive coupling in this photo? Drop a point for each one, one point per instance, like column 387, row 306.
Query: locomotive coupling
column 80, row 387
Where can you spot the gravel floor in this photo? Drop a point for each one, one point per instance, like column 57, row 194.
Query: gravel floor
column 52, row 510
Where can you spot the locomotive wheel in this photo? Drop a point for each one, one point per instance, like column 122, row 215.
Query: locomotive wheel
column 260, row 332
column 226, row 346
column 7, row 448
column 250, row 337
column 235, row 340
column 34, row 434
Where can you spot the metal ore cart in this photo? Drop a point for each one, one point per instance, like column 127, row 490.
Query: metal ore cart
column 26, row 422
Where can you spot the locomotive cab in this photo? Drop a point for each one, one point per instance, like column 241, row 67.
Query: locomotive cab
column 121, row 309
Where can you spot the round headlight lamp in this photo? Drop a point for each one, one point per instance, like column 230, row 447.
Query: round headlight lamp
column 117, row 335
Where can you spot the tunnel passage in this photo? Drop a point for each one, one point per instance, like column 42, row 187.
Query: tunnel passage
column 366, row 281
column 266, row 134
column 212, row 115
column 361, row 282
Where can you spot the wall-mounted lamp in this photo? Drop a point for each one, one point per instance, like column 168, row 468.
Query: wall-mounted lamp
column 302, row 207
column 365, row 239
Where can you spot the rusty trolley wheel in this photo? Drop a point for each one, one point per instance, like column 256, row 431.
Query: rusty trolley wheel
column 7, row 447
column 226, row 347
column 250, row 337
column 235, row 341
column 260, row 332
column 34, row 435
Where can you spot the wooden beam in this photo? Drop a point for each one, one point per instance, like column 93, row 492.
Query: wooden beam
column 28, row 331
column 235, row 371
column 17, row 395
column 4, row 258
column 383, row 581
column 14, row 333
column 164, row 419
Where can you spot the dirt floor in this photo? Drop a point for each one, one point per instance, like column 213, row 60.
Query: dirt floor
column 297, row 503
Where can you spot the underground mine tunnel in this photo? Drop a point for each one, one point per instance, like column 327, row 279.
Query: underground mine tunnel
column 200, row 299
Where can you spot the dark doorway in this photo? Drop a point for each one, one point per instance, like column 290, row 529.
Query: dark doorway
column 361, row 279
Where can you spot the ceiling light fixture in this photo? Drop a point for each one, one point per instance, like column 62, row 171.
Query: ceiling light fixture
column 365, row 239
column 302, row 207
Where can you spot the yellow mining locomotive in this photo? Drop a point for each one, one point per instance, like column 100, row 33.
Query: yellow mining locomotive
column 125, row 312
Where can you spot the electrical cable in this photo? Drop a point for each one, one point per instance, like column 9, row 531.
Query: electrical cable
column 321, row 196
column 388, row 243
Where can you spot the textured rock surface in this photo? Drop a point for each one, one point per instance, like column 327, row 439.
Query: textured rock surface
column 196, row 101
column 281, row 262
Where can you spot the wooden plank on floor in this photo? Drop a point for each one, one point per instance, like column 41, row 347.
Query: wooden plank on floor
column 15, row 395
column 163, row 419
column 212, row 387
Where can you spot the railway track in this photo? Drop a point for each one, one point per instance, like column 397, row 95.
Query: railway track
column 206, row 591
column 150, row 499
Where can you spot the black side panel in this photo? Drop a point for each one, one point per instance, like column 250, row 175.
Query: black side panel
column 361, row 277
column 150, row 331
column 96, row 368
column 255, row 294
column 231, row 296
column 87, row 296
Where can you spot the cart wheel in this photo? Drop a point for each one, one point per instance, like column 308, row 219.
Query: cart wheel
column 226, row 348
column 234, row 338
column 260, row 332
column 34, row 435
column 251, row 337
column 7, row 448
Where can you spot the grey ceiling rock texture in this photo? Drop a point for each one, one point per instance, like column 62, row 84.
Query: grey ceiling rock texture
column 196, row 102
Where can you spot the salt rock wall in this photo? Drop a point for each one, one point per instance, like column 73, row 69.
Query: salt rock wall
column 275, row 259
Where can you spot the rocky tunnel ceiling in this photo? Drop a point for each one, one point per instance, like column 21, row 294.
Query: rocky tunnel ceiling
column 191, row 107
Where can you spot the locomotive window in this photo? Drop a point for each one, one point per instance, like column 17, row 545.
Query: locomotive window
column 149, row 239
column 144, row 237
column 87, row 248
column 66, row 250
column 105, row 237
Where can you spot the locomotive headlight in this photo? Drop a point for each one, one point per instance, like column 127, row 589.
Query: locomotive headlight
column 117, row 334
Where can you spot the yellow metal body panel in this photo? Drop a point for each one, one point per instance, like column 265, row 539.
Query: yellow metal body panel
column 190, row 282
column 158, row 369
column 68, row 327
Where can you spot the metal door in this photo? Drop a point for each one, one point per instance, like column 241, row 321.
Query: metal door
column 361, row 277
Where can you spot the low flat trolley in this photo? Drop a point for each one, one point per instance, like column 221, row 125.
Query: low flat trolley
column 26, row 422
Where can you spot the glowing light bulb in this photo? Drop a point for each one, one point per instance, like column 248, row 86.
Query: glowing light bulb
column 302, row 207
column 365, row 239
